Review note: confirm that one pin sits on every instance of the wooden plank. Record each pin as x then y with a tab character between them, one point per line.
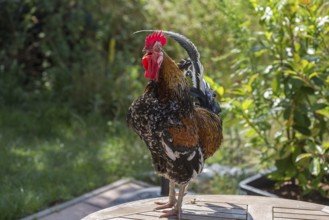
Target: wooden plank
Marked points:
217	204
287	219
152	213
325	209
214	214
222	202
123	210
149	215
299	211
257	200
259	212
124	218
212	208
301	216
142	217
198	217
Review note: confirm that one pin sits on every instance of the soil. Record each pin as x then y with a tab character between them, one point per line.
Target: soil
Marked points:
289	191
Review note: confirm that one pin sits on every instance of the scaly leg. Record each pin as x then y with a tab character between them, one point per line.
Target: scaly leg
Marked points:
177	210
172	198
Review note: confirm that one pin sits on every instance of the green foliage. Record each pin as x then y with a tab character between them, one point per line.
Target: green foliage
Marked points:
69	51
226	184
282	98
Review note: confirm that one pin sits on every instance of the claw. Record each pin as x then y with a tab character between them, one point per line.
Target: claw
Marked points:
164	205
169	213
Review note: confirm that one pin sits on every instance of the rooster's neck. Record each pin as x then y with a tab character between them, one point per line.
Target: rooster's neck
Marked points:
171	80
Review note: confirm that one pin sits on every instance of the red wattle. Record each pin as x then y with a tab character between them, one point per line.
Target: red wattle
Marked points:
145	64
150	66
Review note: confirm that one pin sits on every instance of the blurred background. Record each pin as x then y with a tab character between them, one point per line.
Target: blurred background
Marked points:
70	69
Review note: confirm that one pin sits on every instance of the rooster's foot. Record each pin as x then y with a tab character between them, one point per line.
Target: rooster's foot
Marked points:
164	205
169	213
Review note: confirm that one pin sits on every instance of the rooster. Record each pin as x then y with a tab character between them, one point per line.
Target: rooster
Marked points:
179	123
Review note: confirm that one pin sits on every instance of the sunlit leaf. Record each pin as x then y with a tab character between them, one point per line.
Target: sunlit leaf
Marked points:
268	35
111	49
290	72
326	145
315	167
296	58
260	53
275	85
324	112
313	75
220	90
303	156
252	79
246	104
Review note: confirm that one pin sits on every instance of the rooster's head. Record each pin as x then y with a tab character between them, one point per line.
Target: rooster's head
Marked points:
153	57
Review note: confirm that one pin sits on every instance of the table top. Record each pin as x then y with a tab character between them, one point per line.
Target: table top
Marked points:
208	207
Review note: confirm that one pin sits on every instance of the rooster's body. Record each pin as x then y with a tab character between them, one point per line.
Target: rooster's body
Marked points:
179	134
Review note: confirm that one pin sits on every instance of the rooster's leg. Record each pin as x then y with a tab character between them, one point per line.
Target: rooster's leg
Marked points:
177	210
172	198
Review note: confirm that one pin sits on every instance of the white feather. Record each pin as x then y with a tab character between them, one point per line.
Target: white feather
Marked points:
201	162
191	156
169	151
194	174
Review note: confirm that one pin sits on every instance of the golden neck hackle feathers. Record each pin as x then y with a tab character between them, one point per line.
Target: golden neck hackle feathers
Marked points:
171	79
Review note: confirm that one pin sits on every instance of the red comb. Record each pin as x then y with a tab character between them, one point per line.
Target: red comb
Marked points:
154	37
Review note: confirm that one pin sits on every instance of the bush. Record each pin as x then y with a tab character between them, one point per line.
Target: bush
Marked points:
75	52
282	98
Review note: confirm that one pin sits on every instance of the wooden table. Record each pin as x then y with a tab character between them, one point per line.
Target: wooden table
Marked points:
208	207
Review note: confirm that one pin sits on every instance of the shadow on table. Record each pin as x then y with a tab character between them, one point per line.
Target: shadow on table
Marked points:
216	211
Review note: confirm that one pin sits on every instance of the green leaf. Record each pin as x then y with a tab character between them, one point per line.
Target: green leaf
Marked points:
315	167
252	79
302	179
314	74
246	104
318	81
219	89
275	85
290	72
259	53
303	130
303	156
306	64
318	106
324	112
111	53
301	119
325	145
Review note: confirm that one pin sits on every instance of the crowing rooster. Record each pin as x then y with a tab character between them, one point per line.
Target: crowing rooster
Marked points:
180	125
